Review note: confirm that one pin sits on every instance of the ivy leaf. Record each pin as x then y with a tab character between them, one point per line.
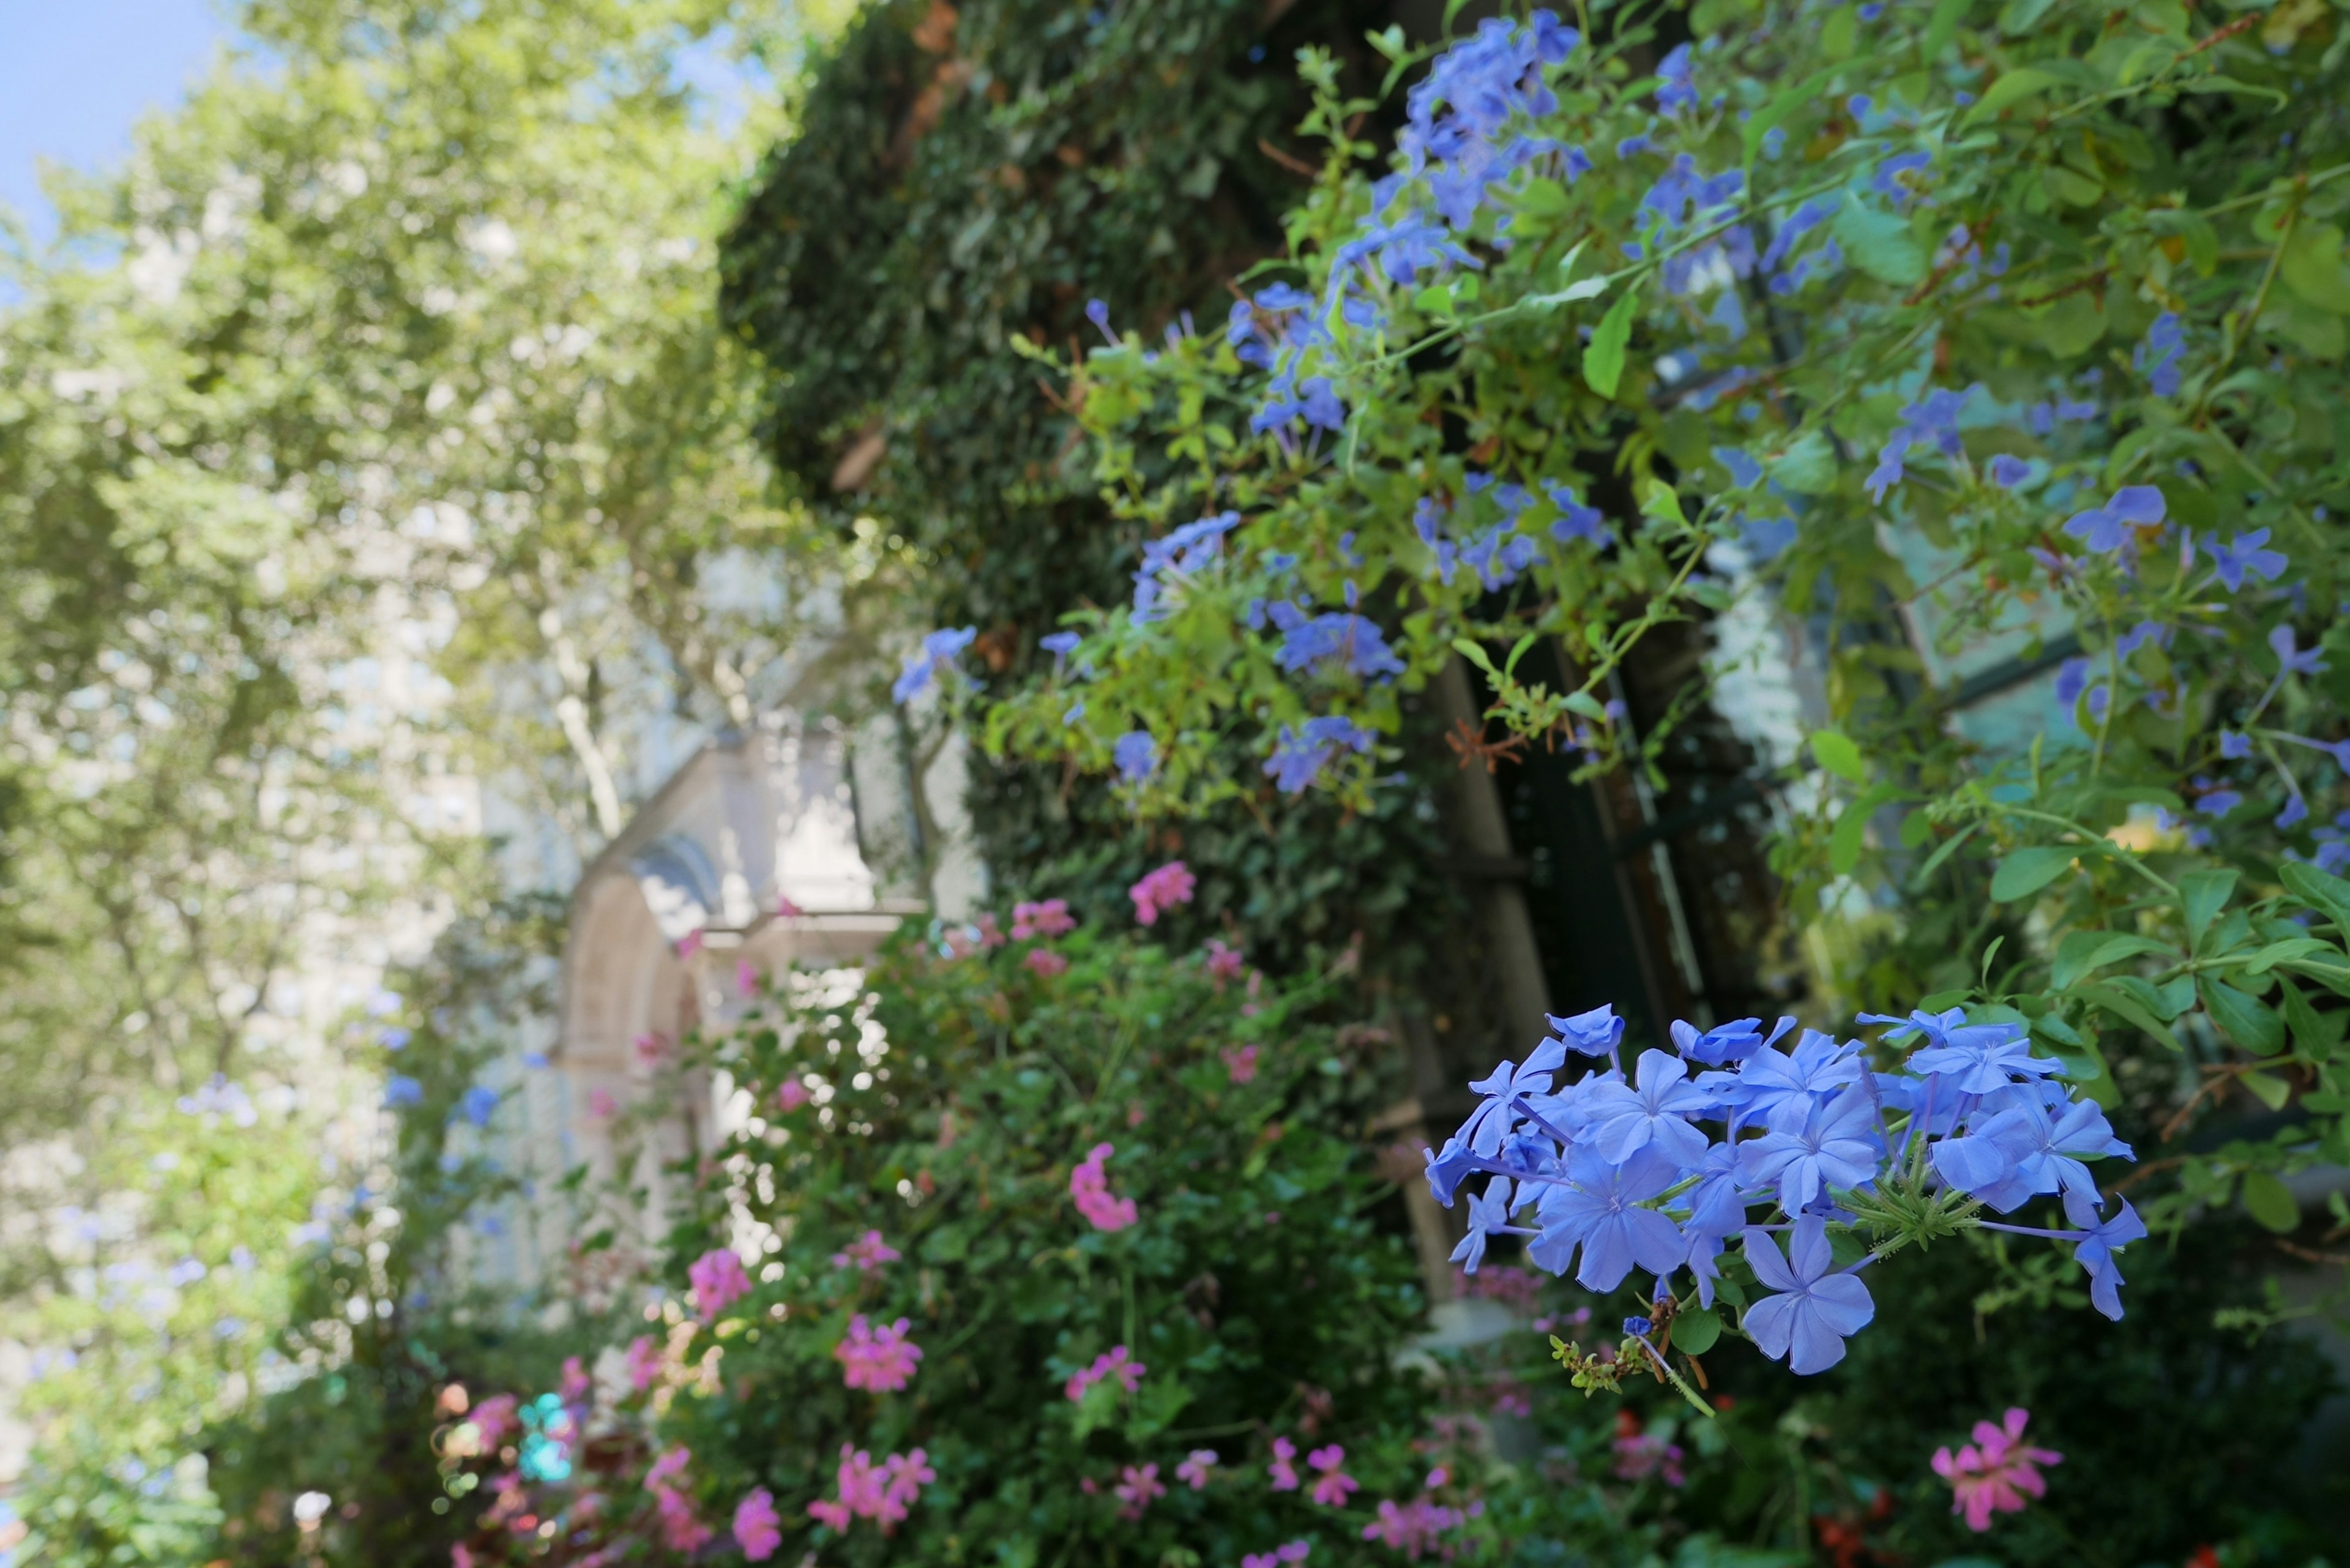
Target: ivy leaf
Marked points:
1603	361
2270	1202
2027	872
1839	756
1879	243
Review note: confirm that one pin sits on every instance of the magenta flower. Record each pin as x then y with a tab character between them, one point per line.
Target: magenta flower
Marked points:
1331	1484
791	1097
1048	919
881	1361
666	1469
1137	1486
1295	1551
602	1106
1284	1468
644	1362
747	977
577	1385
1223	963
1195	1467
1240	1062
1045	963
681	1529
1090	1187
881	1492
652	1049
1412	1529
494	1418
1112	1363
719	1281
1996	1472
757	1527
1163	890
868	1253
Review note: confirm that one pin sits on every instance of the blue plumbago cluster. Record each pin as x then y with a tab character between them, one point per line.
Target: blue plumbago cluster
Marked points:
1733	1136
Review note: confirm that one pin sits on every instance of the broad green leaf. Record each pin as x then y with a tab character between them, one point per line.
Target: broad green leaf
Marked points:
1941	28
2334	976
1603	359
1839	756
2200	240
2129	1009
1879	242
2268	1089
2275	953
1696	1332
2086	953
1435	300
2026	871
2327	894
2013	88
2250	1023
2071	187
1849	835
1475	655
2316	1036
1541	199
2313	267
2204	894
2085	1064
2270	1202
1662	501
1808	466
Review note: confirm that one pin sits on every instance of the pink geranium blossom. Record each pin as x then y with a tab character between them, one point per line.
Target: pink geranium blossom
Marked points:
1331	1485
1195	1469
1111	1363
1223	963
1160	890
1048	919
1295	1551
1996	1472
1240	1062
881	1492
644	1362
1090	1187
682	1529
719	1281
880	1361
1137	1486
757	1527
1413	1528
868	1253
666	1469
1284	1468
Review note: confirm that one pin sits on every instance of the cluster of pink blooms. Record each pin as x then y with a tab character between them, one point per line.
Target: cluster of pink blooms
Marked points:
1223	963
1293	1553
1161	890
575	1385
1045	963
1640	1454
644	1362
1049	918
1996	1472
881	1492
758	1528
1331	1484
1136	1485
1415	1528
1195	1469
719	1281
880	1362
1089	1185
868	1252
494	1418
652	1049
1112	1362
792	1096
682	1529
1240	1062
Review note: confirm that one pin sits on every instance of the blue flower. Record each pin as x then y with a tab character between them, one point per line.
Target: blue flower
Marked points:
2245	555
1497	1116
1731	1042
2095	1252
1972	1058
1577	521
2007	470
1887	181
1298	759
1932	420
939	649
394	1039
1097	312
1487	1215
400	1089
1633	145
1601	1213
2156	358
477	1105
1811	1148
534	1060
1626	1119
1332	637
2235	745
1060	644
1819	1308
1676	91
2306	661
1169	563
1136	755
1819	1066
1320	405
2104	528
1447	1168
1594	1034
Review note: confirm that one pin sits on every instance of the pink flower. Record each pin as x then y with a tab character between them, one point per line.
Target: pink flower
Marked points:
1112	1362
1413	1528
1240	1062
991	935
832	1513
757	1527
882	1363
644	1362
1640	1454
1223	963
1160	890
459	1557
1284	1470
689	944
666	1469
1332	1485
719	1281
652	1049
601	1106
1195	1469
792	1096
1090	1187
577	1385
868	1253
1996	1472
1049	918
786	909
1293	1552
1045	963
494	1418
882	1493
747	977
1136	1485
681	1531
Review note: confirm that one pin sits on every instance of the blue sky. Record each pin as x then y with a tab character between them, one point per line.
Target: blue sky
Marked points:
76	75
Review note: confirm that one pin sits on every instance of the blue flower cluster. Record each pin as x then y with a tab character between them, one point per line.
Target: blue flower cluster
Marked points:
1499	552
1169	563
1662	1169
1298	759
939	650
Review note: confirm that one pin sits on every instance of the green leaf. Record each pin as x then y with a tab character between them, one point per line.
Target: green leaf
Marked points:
2316	1036
1694	1333
2026	871
2250	1023
2275	953
1434	300
1476	656
1950	846
2270	1202
1603	361
1839	756
2220	81
2013	88
1941	28
2268	1089
1808	466
2086	953
2204	894
1847	838
1662	501
2327	894
2129	1009
1770	115
2312	268
1542	198
1879	242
